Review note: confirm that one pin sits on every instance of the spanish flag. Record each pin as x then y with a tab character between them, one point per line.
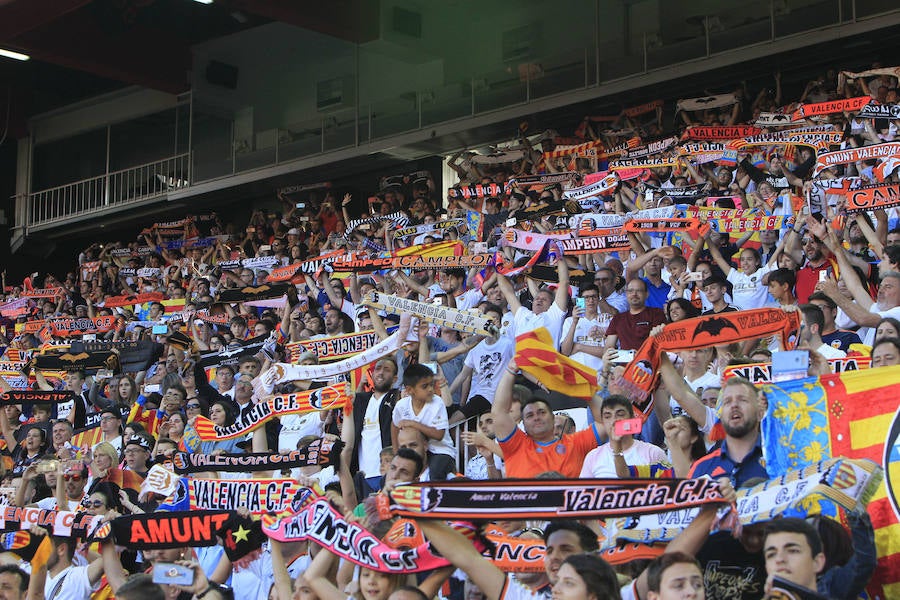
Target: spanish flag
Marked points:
536	356
852	414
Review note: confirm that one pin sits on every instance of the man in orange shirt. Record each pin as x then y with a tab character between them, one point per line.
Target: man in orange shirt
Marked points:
537	449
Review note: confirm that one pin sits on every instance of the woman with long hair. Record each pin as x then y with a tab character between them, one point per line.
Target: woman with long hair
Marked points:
30	450
888	327
678	309
127	390
586	577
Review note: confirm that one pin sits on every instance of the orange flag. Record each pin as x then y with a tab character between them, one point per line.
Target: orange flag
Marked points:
536	356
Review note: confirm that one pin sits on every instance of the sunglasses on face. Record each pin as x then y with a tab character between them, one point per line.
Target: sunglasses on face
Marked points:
94	504
72	477
192	406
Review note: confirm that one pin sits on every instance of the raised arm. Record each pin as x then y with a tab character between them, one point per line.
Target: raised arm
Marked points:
506	287
681	391
562	290
503	423
459	550
716	254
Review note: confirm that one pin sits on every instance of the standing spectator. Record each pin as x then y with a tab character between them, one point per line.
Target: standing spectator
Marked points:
628	330
536	449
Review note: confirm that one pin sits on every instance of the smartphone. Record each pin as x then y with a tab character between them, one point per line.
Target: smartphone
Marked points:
624	356
265	248
789	364
579	303
628	426
47	466
304	219
104	374
160	330
301	205
511	222
433	366
695	276
170	573
151	388
823	275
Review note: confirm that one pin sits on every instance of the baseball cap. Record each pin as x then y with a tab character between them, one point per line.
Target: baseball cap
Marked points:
139	440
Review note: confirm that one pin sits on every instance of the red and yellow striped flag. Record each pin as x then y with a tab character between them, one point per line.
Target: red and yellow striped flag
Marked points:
852	414
536	356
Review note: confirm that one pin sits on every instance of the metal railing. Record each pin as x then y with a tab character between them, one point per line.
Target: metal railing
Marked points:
104	192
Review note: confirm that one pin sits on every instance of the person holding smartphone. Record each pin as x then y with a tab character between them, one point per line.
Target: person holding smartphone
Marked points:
612	460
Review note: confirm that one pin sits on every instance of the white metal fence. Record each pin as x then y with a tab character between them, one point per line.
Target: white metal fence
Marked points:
101	193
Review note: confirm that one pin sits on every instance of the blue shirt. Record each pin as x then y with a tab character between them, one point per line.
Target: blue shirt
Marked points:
719	464
658	295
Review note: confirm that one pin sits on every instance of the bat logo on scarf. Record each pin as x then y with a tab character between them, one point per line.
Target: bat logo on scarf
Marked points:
714	327
255	290
705	100
432	499
315	399
74	357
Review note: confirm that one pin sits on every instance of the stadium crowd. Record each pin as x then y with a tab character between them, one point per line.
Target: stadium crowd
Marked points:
519	328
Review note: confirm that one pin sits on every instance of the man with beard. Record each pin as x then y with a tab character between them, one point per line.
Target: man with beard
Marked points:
734	568
816	261
369	430
738	458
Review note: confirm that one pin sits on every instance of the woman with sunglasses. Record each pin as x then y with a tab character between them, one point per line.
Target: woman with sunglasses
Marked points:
100	501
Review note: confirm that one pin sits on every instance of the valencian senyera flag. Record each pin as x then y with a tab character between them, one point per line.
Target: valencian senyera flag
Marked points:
536	356
855	415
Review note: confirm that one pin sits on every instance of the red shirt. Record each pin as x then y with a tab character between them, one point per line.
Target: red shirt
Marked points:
808	277
631	330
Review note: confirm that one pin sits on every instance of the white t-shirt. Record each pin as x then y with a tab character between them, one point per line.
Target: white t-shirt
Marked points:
747	290
469	299
552	319
600	463
829	352
370	441
295	427
708	379
433	414
75	586
582	330
487	361
513	590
